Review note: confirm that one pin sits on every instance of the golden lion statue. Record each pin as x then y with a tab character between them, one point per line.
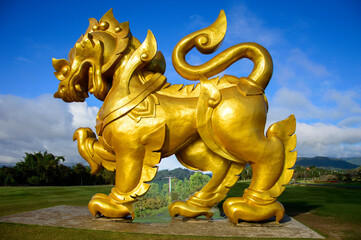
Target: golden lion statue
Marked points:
217	125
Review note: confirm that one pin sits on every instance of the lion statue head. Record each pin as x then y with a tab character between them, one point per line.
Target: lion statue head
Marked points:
94	55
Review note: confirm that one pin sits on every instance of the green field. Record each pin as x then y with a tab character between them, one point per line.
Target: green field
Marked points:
332	211
341	203
21	199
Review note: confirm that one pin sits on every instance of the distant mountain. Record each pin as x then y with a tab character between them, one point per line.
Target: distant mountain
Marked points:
356	161
181	173
325	162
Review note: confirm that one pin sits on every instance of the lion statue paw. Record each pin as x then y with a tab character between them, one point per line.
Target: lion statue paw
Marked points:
103	205
237	209
188	210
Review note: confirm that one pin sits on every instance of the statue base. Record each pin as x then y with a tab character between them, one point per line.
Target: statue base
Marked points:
106	219
80	218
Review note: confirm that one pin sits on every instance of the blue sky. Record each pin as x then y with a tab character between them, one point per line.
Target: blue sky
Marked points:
315	47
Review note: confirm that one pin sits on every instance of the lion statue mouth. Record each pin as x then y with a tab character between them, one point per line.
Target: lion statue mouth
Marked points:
74	88
81	74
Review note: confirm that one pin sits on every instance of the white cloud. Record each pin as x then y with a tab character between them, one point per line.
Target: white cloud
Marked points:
321	139
244	26
349	101
286	102
339	107
169	163
7	159
39	124
296	69
336	128
298	58
354	121
83	115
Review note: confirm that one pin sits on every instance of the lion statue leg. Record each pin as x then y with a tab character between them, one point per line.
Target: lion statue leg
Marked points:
271	171
257	204
97	156
197	156
136	161
119	202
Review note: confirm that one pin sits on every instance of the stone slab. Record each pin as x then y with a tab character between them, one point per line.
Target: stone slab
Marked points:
79	217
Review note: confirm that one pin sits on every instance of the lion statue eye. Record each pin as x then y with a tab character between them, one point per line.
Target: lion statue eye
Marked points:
65	70
62	89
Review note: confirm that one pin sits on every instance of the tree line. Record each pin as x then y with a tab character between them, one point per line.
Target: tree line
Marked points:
318	174
46	169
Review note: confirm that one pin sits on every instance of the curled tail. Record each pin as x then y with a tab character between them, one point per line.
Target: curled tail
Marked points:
285	131
207	41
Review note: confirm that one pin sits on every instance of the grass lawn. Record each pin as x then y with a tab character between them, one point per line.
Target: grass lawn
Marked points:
21	199
341	203
333	212
33	232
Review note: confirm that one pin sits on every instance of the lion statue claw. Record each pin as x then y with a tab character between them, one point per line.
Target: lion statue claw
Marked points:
216	125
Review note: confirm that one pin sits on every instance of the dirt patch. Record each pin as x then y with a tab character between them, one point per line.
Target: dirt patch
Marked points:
330	227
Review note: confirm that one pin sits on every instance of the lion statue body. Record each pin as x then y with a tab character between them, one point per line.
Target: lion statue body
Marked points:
216	125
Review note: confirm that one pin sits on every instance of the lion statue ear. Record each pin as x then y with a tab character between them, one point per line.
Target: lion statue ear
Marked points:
157	64
115	37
